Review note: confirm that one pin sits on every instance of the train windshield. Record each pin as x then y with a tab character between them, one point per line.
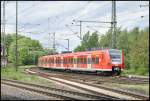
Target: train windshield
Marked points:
116	56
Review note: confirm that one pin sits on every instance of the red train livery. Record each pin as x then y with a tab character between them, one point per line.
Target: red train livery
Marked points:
107	60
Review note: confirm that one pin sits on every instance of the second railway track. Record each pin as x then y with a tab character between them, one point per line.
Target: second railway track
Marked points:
97	79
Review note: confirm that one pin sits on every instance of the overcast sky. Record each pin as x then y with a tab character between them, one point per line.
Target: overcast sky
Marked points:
37	19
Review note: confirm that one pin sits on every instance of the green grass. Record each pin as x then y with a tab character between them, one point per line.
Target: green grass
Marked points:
10	73
140	87
135	72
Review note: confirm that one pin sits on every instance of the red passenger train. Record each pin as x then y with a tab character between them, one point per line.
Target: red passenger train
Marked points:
107	60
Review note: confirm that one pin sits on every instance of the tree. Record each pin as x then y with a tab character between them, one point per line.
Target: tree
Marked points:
105	40
88	42
28	51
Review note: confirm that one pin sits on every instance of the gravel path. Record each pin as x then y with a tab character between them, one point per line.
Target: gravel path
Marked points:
13	93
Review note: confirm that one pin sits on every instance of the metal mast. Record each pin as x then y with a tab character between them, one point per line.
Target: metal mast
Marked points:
16	65
54	41
3	38
113	24
68	44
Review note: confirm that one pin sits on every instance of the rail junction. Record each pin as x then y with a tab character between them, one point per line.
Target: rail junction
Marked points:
89	87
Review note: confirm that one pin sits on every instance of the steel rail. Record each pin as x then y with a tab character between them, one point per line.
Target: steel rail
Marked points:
110	89
93	77
91	96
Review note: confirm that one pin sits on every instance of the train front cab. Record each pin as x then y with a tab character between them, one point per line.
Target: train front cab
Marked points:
117	61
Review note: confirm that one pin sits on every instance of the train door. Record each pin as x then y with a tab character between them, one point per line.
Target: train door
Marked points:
61	62
81	63
85	61
48	61
78	60
75	61
71	61
95	61
54	61
92	62
89	65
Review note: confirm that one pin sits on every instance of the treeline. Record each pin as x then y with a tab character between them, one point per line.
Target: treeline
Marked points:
135	44
28	49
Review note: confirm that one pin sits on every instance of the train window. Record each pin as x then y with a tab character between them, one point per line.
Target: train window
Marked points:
74	61
81	60
64	61
45	60
71	60
89	60
77	60
97	60
93	60
84	60
59	61
68	60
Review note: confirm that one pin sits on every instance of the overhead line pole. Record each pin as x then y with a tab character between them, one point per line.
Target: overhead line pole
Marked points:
3	34
113	24
80	29
68	44
54	41
16	65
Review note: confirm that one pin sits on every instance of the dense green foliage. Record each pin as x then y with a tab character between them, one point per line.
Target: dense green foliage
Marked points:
135	44
28	49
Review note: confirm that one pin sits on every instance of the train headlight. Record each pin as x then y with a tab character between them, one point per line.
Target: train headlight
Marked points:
116	69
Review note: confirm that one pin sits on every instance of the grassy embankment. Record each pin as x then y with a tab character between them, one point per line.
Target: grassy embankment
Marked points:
135	72
143	88
10	73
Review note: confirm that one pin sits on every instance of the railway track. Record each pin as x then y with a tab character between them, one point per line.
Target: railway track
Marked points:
54	92
98	79
127	94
